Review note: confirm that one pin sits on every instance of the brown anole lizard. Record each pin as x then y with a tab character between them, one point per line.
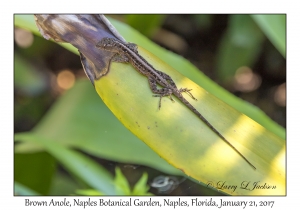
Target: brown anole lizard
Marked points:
127	53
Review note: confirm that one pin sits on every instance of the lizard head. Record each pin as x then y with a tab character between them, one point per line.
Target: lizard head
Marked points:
107	43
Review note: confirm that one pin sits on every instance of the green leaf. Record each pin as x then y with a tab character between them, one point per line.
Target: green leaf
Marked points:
123	188
240	46
181	65
186	142
26	22
20	189
87	124
274	27
34	171
121	183
141	188
138	22
27	79
89	192
63	184
190	71
81	166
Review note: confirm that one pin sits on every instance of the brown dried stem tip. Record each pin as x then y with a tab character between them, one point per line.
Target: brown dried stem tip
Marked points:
83	32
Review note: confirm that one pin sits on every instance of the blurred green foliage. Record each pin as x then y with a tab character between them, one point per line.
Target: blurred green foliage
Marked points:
123	188
240	46
35	170
27	78
274	27
243	41
20	189
146	24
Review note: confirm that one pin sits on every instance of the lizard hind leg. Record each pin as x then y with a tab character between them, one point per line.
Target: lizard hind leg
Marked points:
159	92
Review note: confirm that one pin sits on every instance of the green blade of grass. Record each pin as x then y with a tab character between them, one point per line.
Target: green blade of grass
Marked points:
274	27
84	168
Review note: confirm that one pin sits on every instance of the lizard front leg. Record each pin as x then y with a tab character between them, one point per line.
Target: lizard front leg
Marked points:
160	92
120	58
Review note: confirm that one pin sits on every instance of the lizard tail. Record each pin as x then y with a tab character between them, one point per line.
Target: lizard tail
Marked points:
180	97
